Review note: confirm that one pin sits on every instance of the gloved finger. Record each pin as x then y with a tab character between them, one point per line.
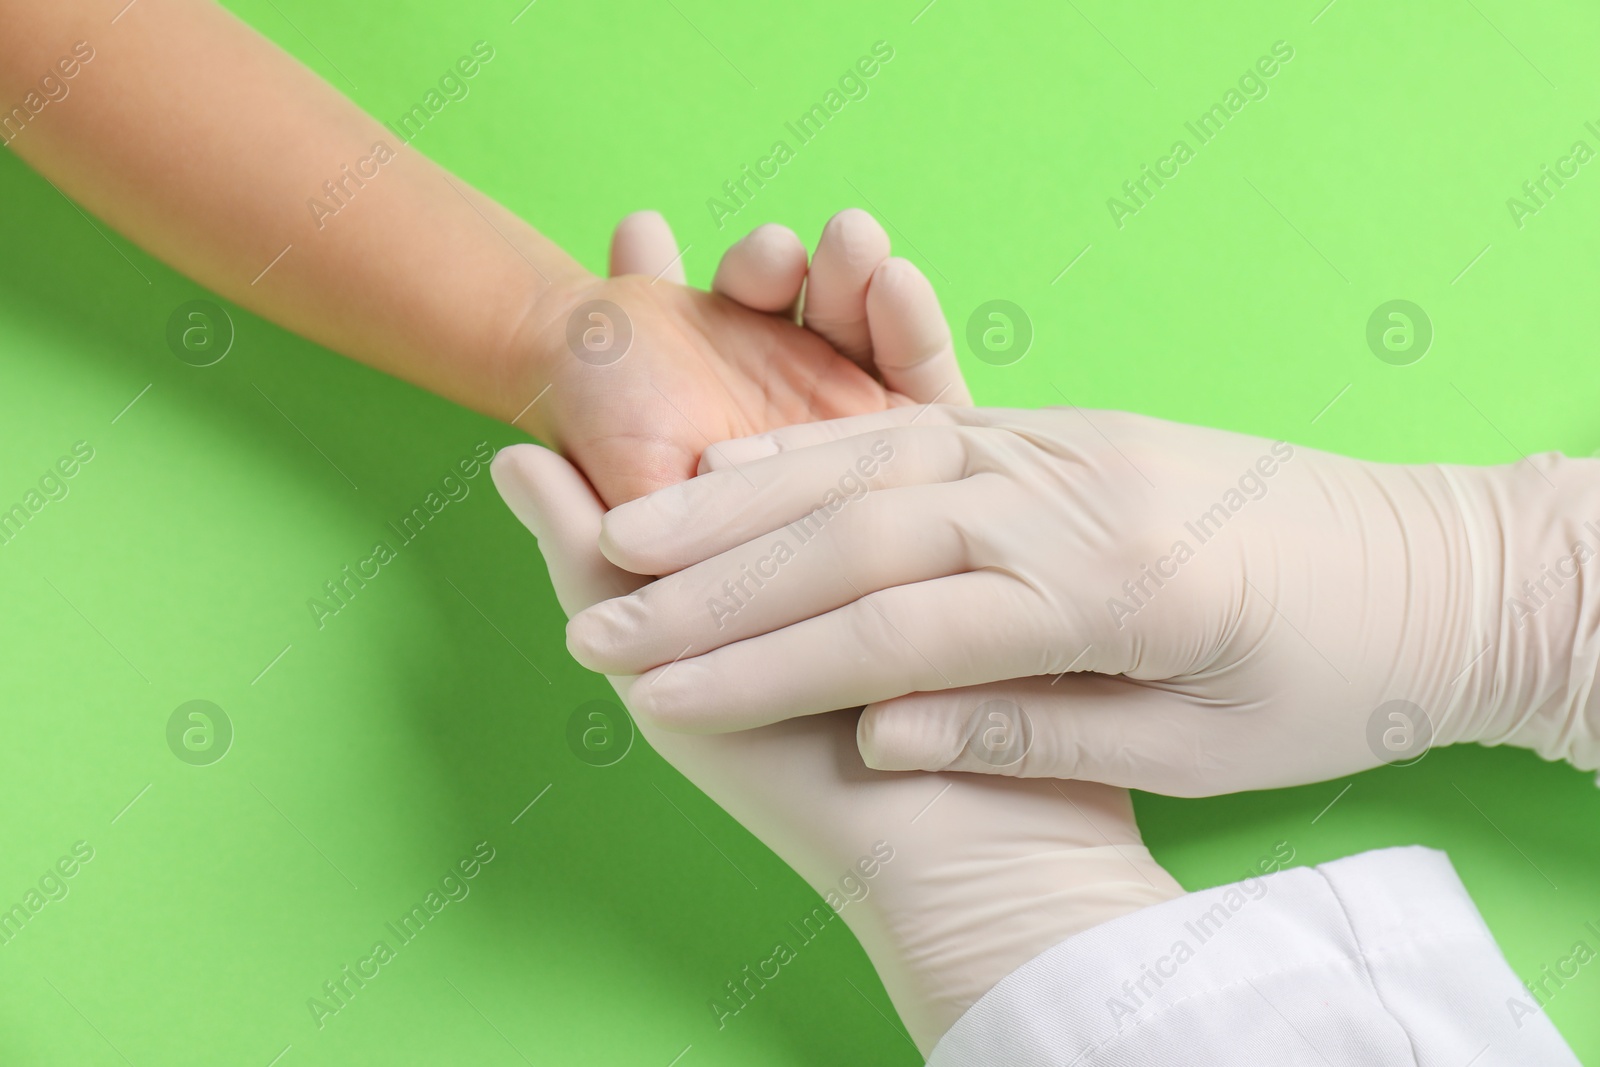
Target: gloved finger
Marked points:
764	270
1101	728
820	563
559	507
743	450
901	640
643	244
850	249
695	520
911	344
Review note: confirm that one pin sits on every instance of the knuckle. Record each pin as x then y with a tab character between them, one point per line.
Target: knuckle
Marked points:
648	709
681	698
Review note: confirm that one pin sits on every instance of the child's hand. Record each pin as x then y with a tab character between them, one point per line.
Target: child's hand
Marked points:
702	368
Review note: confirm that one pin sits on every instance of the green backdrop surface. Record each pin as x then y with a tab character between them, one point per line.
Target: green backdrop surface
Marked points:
413	730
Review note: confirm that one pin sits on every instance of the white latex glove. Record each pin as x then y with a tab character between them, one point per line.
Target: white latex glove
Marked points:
983	874
1183	610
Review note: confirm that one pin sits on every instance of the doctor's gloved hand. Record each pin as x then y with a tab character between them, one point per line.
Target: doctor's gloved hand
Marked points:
1112	597
969	877
972	876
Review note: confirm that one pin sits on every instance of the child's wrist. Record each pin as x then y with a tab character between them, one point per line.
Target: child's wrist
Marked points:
535	357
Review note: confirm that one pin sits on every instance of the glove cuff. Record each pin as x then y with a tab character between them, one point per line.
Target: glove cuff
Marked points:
1534	529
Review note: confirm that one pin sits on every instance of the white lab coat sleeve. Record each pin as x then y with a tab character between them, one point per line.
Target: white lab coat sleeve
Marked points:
1377	959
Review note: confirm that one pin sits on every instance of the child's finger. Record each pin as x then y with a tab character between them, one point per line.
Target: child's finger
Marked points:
764	270
643	244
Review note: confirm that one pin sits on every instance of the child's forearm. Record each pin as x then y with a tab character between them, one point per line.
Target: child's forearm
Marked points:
205	144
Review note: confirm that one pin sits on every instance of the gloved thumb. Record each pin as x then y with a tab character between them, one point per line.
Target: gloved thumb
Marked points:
911	345
560	508
1087	726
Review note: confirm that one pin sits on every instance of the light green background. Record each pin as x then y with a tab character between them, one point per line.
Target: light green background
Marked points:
378	751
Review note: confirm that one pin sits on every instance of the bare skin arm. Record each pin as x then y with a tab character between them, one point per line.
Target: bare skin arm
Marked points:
202	142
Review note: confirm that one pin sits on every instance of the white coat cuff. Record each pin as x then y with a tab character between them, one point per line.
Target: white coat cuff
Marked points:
1380	958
